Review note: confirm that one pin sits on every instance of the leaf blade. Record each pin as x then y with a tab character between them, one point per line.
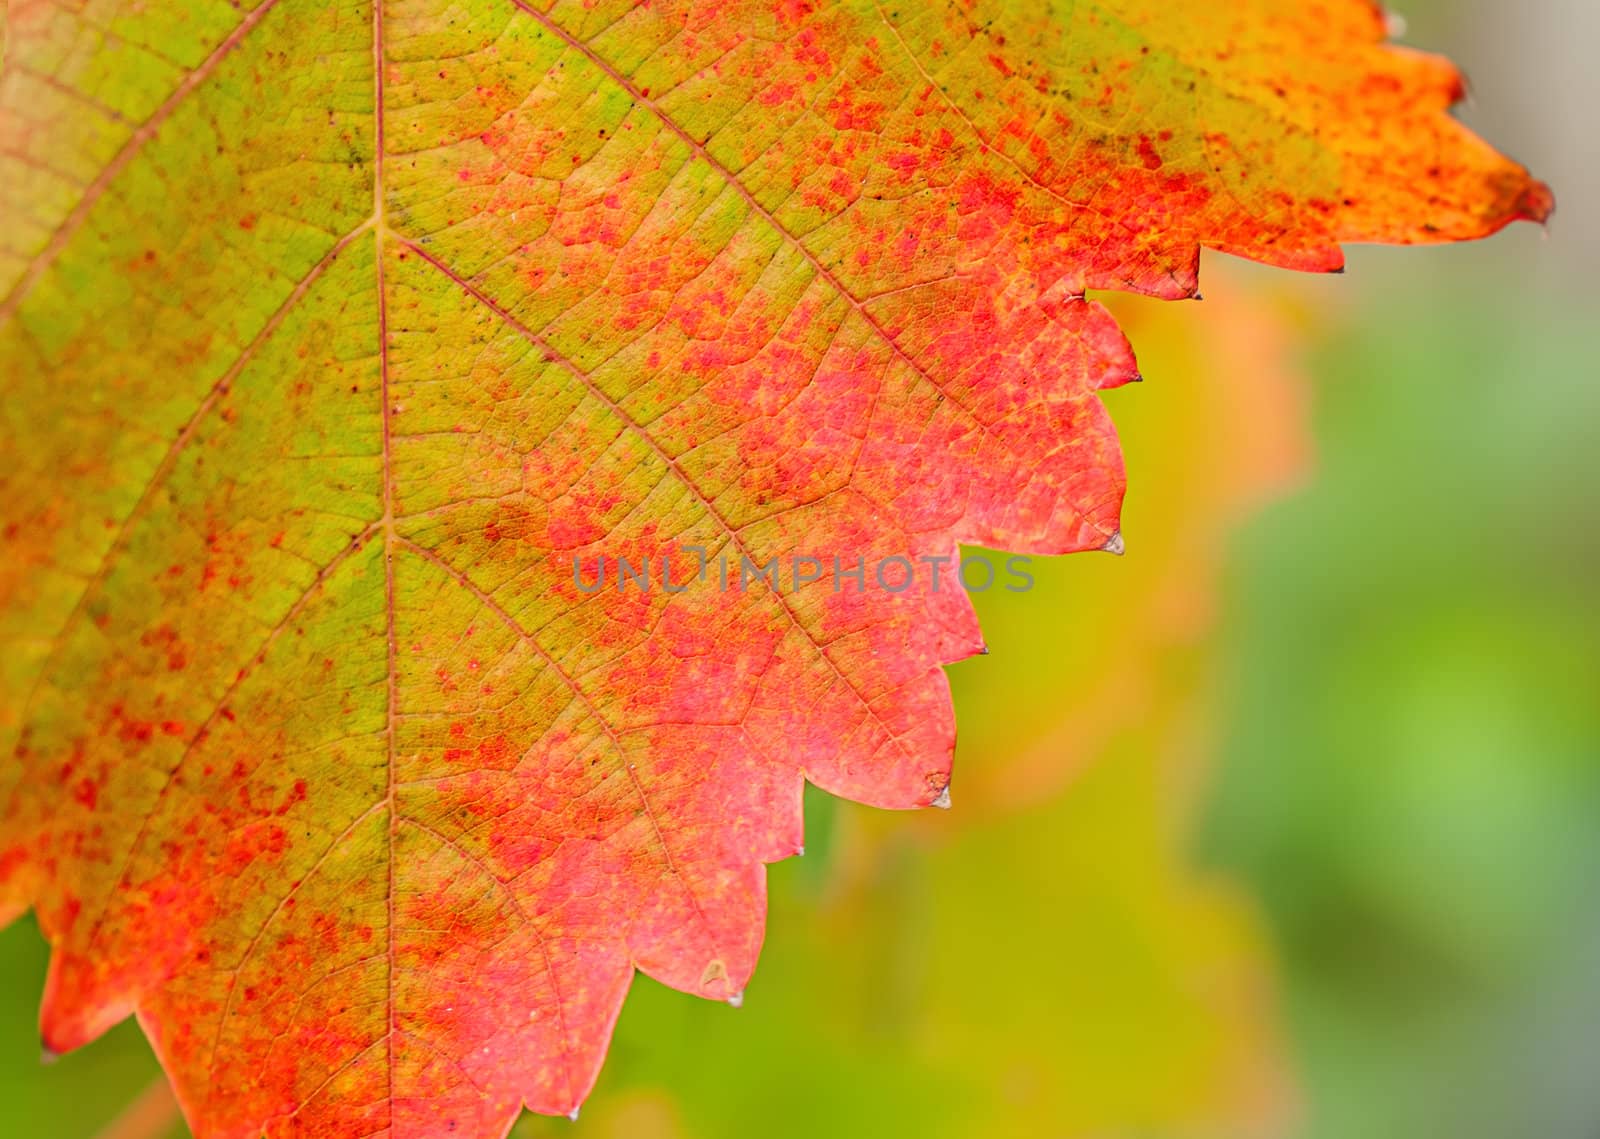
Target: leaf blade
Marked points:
769	283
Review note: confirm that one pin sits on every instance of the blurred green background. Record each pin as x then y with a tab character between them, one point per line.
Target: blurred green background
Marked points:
1287	823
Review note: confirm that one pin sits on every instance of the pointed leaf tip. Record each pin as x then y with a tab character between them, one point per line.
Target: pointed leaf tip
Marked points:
737	1000
1115	544
1537	204
942	799
573	1115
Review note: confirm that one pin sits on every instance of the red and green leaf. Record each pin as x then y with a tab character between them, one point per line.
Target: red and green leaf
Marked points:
332	335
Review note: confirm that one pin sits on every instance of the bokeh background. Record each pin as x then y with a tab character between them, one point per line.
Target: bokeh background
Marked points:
1285	824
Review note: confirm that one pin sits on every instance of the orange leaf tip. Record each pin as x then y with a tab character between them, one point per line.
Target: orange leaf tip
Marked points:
1537	203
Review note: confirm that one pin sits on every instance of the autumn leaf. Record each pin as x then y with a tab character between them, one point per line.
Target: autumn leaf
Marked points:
344	348
1156	1010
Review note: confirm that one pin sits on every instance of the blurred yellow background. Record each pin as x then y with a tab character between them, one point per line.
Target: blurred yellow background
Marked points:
1285	824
